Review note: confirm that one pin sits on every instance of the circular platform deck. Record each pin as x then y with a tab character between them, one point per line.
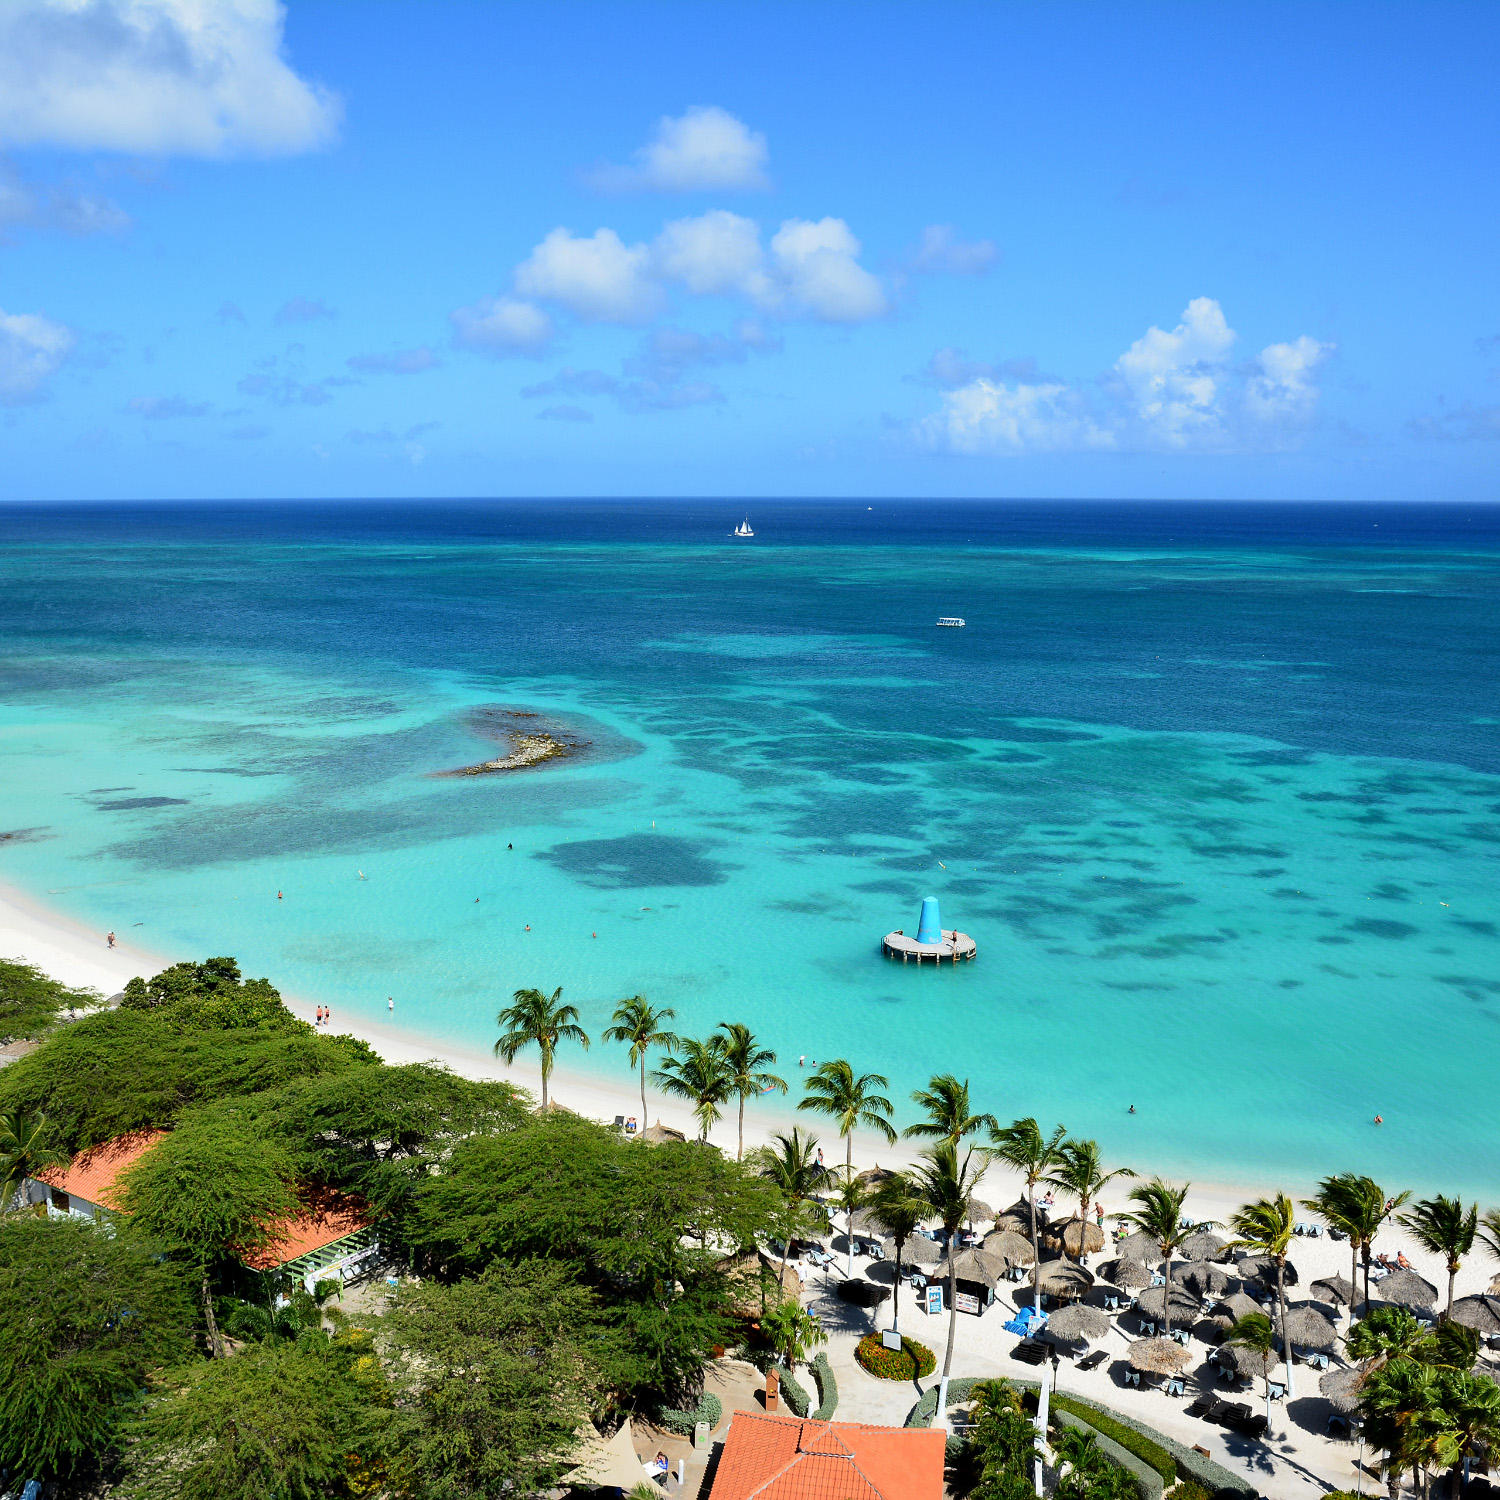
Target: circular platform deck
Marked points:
955	945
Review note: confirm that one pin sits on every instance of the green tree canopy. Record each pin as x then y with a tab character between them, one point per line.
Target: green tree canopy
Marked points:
30	1001
493	1378
84	1314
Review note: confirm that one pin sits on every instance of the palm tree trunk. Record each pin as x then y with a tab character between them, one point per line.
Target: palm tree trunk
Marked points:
645	1118
1353	1276
942	1411
1452	1272
1083	1221
849	1154
849	1241
896	1292
739	1154
1286	1343
215	1337
1166	1302
1036	1251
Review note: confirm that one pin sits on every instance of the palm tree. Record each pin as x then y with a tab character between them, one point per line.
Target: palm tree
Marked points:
949	1118
898	1207
850	1196
642	1028
535	1017
1265	1227
1021	1146
1471	1406
1254	1332
1159	1212
834	1090
1489	1231
793	1330
744	1055
700	1074
1396	1403
24	1152
1445	1227
947	1181
1080	1171
1355	1206
793	1168
1383	1334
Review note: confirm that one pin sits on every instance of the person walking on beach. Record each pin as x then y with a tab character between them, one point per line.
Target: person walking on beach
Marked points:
110	940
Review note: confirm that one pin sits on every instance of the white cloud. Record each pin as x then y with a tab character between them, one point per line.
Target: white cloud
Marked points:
600	278
818	265
501	326
162	77
1171	390
55	206
717	253
942	252
706	148
164	408
403	362
32	349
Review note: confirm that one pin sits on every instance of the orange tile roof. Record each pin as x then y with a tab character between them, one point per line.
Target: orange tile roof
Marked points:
92	1174
788	1458
327	1216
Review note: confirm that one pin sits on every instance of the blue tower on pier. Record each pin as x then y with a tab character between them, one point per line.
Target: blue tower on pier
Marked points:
930	928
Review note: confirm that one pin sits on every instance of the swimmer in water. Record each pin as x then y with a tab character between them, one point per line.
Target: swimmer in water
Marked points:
390	1002
278	895
1378	1120
1132	1109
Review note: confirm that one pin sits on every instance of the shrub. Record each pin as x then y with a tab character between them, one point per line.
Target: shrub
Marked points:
1131	1441
796	1396
959	1390
828	1389
1191	1489
709	1409
910	1362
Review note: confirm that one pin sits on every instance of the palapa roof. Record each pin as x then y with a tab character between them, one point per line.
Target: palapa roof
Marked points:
917	1251
1079	1321
1005	1244
1406	1289
1236	1306
1341	1388
1205	1278
1246	1361
1262	1268
1338	1290
768	1457
1158	1356
1482	1313
1062	1278
1074	1237
1153	1300
1203	1246
1140	1246
654	1135
979	1211
1127	1273
872	1177
972	1265
1305	1325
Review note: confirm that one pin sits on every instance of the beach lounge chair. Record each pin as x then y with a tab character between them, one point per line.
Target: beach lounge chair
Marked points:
1181	1335
1337	1425
1278	1391
1252	1427
1029	1352
1094	1360
1133	1377
1112	1301
1174	1386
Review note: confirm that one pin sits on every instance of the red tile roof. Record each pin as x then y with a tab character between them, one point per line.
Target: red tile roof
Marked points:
92	1174
327	1216
787	1458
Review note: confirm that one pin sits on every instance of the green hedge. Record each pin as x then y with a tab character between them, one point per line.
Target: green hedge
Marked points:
1148	1481
1138	1443
1214	1477
925	1410
709	1409
910	1362
828	1389
796	1395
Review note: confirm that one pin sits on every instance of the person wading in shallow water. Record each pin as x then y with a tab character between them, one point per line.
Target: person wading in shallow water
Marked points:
110	940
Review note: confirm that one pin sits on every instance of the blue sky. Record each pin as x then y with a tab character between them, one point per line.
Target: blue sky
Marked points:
338	249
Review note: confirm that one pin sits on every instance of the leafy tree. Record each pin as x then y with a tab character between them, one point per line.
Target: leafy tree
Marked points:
1023	1148
702	1075
1386	1333
24	1152
564	1189
493	1378
1470	1425
277	1422
84	1314
1265	1227
850	1196
1086	1474
1398	1408
1257	1333
1002	1444
1451	1346
30	1001
1355	1206
790	1163
1489	1231
1080	1171
1445	1227
947	1181
535	1019
641	1028
212	1190
792	1330
743	1057
853	1102
210	996
289	1312
899	1207
950	1116
1159	1212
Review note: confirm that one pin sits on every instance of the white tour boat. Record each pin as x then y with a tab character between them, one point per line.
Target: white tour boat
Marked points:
956	621
743	529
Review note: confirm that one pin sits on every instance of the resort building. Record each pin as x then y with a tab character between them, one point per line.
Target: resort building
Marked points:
329	1240
791	1458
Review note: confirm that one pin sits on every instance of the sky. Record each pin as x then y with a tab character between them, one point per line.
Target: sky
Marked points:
339	249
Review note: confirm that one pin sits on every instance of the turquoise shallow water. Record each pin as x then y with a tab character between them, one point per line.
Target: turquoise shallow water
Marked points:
1217	791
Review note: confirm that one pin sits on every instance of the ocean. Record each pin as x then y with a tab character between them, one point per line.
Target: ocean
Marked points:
1215	787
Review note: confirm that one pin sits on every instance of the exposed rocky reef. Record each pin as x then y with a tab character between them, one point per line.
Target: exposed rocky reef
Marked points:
531	740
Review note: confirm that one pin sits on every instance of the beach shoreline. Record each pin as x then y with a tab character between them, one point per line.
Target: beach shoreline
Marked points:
76	955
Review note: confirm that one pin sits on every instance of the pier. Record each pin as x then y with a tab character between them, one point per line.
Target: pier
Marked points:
933	941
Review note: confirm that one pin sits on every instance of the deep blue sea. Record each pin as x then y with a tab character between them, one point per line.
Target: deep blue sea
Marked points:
1215	787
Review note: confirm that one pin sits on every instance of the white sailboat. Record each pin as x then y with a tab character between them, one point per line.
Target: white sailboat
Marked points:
743	529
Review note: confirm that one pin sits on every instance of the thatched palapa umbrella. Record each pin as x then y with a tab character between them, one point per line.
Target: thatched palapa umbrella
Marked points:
917	1251
1205	1278
1482	1314
1306	1326
1063	1279
655	1134
979	1212
1236	1306
874	1177
971	1265
1246	1361
1005	1244
1202	1246
1339	1291
1341	1388
1153	1302
1407	1289
1078	1323
1126	1273
1262	1268
1140	1246
1158	1356
1075	1237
